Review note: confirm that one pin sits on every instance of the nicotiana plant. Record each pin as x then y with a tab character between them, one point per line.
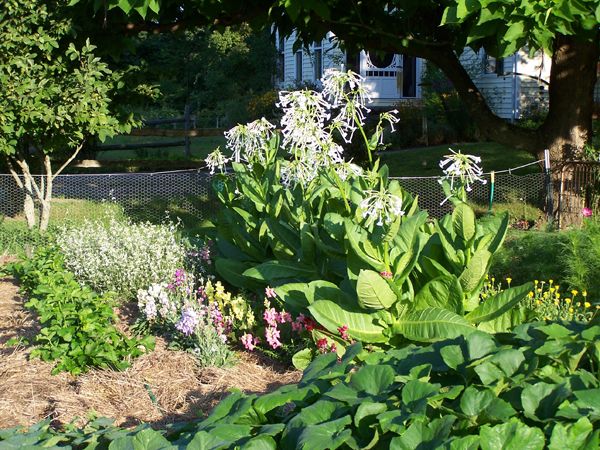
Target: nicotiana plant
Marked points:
349	247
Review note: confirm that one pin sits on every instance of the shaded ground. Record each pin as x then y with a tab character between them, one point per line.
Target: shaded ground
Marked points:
161	387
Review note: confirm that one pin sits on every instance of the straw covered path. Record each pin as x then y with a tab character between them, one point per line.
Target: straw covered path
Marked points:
161	387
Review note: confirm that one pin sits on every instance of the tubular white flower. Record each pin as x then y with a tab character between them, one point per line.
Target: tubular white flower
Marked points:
216	160
297	172
381	206
347	169
463	167
246	142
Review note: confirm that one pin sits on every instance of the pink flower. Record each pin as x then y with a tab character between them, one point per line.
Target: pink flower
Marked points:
272	335
386	274
271	316
270	292
284	317
343	330
587	212
333	348
298	324
309	324
322	345
249	341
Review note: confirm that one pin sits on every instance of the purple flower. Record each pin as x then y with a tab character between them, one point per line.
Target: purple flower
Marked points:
271	317
188	322
587	212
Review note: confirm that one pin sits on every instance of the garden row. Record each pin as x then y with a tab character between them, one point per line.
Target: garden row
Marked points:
405	338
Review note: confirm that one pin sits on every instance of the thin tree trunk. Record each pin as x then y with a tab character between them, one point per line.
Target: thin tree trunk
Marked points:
26	186
45	202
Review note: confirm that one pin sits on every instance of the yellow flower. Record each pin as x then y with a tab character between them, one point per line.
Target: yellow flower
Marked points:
574	292
539	291
493	279
487	277
584	293
551	281
568	301
535	281
557	287
508	280
538	302
556	302
530	294
587	304
557	295
571	310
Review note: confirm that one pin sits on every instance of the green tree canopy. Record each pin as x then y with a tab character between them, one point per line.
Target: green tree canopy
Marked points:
54	96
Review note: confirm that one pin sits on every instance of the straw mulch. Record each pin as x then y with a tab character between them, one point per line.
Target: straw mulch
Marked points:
161	387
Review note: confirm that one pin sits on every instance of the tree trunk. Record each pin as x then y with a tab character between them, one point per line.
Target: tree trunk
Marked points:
28	203
568	126
45	202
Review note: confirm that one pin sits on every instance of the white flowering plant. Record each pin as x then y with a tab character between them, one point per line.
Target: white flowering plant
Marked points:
344	245
120	256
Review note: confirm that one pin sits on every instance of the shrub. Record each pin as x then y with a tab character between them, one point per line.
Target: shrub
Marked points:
537	387
77	324
582	257
121	256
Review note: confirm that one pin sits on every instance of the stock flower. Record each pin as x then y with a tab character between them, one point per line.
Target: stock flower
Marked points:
216	160
270	292
271	317
586	212
188	322
272	335
246	142
249	341
322	345
284	317
381	206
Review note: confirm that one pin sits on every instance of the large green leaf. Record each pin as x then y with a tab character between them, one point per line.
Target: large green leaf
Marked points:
373	291
442	292
373	380
296	296
271	271
431	324
463	223
472	277
499	304
513	435
232	271
361	325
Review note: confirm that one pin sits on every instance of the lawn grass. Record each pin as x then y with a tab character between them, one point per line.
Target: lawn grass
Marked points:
424	161
200	148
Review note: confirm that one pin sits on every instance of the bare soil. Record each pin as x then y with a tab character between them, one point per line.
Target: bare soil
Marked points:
161	387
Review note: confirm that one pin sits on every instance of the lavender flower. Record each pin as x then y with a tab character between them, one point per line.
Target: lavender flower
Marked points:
188	322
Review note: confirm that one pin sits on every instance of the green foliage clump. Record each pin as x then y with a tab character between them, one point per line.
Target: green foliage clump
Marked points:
77	324
538	385
581	260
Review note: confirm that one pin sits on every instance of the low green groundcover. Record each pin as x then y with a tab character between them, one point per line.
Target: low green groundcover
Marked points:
534	388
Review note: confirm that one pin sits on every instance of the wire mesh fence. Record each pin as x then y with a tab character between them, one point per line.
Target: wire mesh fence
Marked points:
187	195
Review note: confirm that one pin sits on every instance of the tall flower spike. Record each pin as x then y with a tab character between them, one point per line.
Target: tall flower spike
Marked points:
216	160
461	167
247	142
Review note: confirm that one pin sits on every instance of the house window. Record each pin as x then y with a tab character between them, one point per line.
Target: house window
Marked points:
318	59
299	65
492	65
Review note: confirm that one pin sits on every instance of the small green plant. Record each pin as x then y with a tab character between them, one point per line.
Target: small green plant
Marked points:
582	256
536	387
77	324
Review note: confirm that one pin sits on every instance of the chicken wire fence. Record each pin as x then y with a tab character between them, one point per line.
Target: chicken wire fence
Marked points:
188	196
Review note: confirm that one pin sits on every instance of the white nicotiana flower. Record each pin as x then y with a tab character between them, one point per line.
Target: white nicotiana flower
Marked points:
463	167
348	92
381	206
303	123
297	172
347	169
246	142
216	160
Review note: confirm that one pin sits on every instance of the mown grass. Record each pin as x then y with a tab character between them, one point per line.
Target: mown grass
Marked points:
424	161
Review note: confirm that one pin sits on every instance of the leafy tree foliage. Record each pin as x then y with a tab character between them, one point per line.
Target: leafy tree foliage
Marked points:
434	30
54	96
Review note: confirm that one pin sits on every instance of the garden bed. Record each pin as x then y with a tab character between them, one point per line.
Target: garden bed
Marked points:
161	387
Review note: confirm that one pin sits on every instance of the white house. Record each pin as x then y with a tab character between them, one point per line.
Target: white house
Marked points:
391	78
514	86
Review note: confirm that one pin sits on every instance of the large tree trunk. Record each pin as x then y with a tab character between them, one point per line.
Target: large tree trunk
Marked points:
568	126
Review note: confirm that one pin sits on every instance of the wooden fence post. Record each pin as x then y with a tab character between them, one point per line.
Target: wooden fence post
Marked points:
186	114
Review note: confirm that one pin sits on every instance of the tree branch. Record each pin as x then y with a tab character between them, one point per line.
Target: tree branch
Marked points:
67	162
